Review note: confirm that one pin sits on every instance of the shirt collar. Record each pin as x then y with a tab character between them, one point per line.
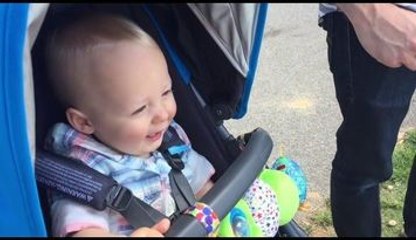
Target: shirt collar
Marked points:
65	140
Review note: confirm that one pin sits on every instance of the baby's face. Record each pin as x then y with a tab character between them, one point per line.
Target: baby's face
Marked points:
134	104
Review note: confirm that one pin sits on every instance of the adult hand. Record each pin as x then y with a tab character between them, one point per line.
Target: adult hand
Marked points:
156	231
387	32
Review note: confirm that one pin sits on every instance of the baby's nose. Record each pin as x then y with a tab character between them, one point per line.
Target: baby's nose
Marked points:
161	114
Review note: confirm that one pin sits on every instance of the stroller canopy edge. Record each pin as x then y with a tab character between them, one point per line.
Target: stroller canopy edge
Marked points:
18	181
237	28
36	15
254	57
229	26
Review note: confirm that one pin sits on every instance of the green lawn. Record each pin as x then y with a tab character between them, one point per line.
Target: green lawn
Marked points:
392	191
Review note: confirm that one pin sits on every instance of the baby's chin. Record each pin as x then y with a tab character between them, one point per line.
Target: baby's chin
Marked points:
141	155
145	149
147	153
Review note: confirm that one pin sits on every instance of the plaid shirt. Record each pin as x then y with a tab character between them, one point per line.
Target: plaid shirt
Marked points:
147	178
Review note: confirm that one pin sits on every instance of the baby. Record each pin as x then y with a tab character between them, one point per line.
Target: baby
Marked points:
113	81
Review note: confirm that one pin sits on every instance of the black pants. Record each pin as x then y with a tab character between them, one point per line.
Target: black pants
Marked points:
374	99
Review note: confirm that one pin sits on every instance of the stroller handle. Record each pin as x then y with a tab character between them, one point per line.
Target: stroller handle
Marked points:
230	187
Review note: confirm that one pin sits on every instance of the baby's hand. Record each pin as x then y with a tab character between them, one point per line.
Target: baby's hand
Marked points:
156	231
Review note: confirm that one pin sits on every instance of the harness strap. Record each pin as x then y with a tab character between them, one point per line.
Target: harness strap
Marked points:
137	212
88	186
172	148
181	190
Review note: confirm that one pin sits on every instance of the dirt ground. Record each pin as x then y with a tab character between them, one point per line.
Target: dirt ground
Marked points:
304	217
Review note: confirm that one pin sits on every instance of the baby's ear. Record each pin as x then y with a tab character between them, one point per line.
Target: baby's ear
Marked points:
79	121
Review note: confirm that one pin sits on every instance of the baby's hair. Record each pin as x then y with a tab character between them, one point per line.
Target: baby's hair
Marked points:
69	46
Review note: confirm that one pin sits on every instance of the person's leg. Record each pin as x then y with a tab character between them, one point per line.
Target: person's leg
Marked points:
409	210
374	100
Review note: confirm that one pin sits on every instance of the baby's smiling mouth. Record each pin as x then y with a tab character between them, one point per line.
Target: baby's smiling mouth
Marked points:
155	136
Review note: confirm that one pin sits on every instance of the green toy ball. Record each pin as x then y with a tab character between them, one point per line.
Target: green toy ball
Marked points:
291	168
239	223
286	191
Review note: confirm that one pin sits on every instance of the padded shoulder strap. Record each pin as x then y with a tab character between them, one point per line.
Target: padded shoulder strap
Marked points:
88	186
172	148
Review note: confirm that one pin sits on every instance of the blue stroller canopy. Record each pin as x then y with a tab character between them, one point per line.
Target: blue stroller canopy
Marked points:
237	29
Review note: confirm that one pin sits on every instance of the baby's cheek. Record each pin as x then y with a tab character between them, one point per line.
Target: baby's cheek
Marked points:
133	136
129	142
173	110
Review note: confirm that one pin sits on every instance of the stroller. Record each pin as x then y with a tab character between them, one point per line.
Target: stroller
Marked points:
212	52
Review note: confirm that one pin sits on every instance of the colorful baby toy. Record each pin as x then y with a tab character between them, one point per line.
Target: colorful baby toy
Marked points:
291	168
272	200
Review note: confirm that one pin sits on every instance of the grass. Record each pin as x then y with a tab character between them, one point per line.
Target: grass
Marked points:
392	191
323	218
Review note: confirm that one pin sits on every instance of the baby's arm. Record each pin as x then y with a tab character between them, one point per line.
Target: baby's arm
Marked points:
207	186
156	231
93	232
73	219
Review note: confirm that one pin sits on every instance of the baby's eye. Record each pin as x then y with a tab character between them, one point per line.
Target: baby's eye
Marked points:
139	110
167	92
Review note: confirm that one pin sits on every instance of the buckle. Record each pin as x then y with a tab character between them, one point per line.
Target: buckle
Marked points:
176	163
119	198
